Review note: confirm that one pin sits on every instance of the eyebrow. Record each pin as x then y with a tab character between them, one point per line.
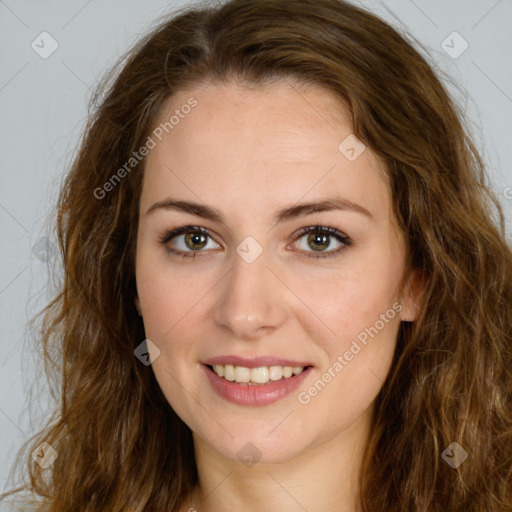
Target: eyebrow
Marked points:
284	214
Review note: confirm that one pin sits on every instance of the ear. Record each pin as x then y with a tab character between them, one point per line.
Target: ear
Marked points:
137	305
413	295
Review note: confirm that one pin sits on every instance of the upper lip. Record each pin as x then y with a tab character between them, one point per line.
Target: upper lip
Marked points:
254	362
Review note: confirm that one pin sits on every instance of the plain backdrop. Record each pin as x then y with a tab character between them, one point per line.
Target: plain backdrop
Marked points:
43	102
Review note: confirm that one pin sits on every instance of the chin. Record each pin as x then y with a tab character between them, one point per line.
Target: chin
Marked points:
258	443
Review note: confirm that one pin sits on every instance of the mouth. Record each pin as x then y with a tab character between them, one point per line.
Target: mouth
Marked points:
255	384
257	376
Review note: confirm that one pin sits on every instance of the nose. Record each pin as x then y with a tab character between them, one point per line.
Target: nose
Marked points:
252	302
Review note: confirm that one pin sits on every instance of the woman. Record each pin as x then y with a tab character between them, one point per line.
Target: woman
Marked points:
284	285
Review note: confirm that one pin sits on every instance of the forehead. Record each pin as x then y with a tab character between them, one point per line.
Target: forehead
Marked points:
276	143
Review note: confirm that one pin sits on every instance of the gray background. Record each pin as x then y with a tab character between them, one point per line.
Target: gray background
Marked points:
43	104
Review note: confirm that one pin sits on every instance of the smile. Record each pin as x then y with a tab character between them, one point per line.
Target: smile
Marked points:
258	376
256	385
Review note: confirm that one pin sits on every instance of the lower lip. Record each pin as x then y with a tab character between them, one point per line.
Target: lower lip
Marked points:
259	394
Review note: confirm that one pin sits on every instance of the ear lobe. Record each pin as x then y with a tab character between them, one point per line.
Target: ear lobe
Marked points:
137	305
413	294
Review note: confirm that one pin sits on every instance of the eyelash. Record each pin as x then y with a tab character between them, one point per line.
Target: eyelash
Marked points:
326	230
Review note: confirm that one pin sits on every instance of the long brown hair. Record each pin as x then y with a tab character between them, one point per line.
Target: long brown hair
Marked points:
120	445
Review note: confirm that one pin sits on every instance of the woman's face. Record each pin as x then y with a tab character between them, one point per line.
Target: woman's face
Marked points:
253	290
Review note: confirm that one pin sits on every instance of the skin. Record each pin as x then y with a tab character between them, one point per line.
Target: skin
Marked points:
249	152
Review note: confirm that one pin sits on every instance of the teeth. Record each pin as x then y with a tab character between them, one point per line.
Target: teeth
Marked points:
229	372
260	375
276	372
242	374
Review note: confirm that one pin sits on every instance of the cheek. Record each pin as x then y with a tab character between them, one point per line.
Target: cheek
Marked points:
169	302
358	355
169	294
359	305
351	298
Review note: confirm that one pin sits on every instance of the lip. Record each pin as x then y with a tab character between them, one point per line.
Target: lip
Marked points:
254	362
257	395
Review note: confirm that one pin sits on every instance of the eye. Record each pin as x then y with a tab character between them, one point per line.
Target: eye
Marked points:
320	238
188	241
193	239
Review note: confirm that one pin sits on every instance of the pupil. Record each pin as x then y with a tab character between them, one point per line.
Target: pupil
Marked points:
196	239
317	239
320	239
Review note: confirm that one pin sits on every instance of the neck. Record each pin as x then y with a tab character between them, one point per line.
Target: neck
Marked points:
321	477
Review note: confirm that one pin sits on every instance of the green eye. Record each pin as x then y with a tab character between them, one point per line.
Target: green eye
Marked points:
195	238
321	237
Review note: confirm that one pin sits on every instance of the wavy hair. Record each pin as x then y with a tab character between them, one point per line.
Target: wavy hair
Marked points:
120	444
